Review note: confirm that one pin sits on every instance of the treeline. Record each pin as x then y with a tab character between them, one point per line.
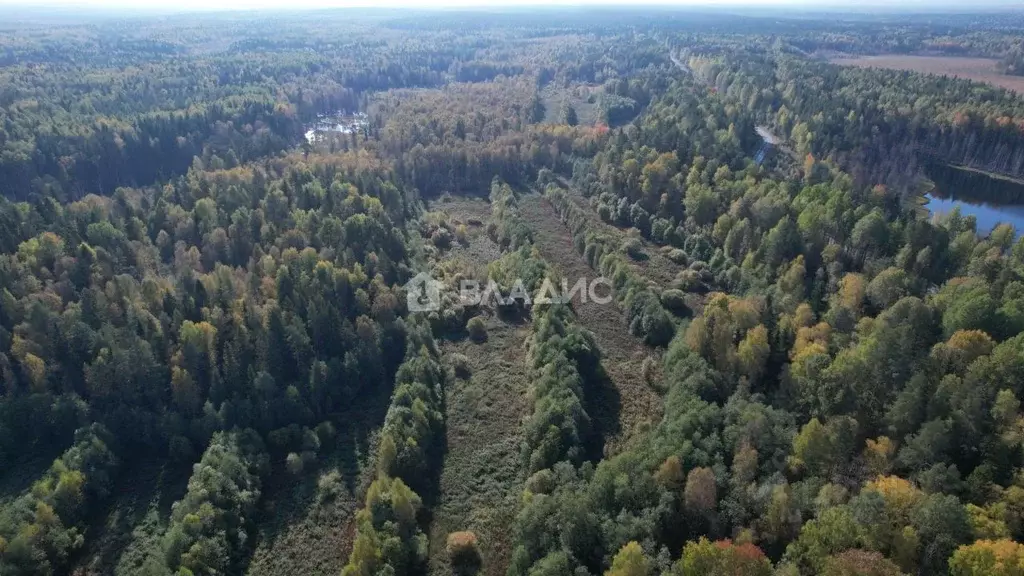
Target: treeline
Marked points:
69	161
389	538
509	229
562	355
139	103
211	526
873	121
42	529
474	133
1013	62
644	313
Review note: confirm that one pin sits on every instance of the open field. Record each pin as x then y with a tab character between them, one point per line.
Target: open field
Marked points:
978	69
579	96
481	478
481	481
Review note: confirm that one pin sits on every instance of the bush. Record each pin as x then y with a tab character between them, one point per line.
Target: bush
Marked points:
689	281
477	329
441	238
330	486
675	301
463	553
648	370
678	256
634	249
460	365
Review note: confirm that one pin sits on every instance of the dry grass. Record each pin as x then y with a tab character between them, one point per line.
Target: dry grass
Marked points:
482	476
578	95
977	69
481	479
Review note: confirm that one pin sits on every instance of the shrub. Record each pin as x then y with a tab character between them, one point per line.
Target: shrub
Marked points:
689	281
477	329
634	249
460	365
441	238
678	256
293	463
674	300
330	486
647	369
463	553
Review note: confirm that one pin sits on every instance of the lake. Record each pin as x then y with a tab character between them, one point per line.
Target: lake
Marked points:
991	199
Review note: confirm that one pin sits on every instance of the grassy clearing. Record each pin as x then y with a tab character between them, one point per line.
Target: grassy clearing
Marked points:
307	523
582	97
482	474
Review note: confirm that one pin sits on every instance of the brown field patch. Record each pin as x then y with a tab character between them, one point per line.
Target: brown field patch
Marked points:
977	69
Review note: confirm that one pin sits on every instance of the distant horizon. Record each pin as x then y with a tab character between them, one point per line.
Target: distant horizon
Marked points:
213	6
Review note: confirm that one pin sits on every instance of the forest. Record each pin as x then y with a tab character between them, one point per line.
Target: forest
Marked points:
210	361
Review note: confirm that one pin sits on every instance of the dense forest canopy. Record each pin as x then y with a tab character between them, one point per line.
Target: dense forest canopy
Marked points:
193	285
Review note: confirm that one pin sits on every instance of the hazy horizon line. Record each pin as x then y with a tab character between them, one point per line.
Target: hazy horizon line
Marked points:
831	7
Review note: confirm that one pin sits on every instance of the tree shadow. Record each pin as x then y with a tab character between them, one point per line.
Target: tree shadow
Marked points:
351	451
603	403
138	486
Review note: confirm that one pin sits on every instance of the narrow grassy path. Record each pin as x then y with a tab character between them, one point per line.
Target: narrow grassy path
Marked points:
638	404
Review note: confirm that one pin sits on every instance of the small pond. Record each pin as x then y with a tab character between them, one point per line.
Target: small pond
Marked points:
989	198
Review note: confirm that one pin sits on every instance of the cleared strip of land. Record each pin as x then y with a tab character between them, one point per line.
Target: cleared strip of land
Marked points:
481	480
623	354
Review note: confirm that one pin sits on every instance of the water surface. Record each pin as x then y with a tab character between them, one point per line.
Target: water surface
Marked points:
992	200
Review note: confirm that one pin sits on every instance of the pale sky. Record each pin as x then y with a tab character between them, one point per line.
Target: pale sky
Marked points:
191	5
